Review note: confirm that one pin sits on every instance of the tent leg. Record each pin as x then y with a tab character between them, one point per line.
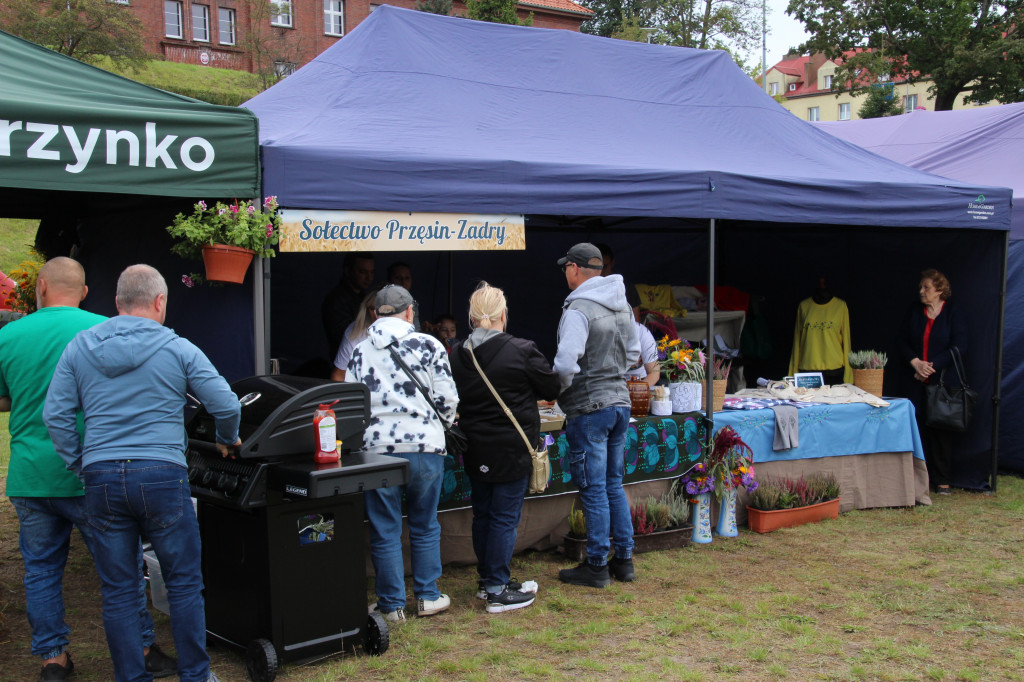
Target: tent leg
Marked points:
261	315
997	390
709	383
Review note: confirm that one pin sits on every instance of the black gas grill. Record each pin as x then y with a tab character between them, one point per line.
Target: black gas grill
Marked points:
283	537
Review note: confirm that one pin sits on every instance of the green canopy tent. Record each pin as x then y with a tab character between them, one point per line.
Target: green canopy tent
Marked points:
105	163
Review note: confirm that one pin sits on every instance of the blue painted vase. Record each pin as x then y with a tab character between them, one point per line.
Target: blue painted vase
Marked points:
702	519
726	526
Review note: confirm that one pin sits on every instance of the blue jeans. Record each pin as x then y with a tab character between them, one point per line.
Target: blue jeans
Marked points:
384	510
125	499
497	508
44	538
596	446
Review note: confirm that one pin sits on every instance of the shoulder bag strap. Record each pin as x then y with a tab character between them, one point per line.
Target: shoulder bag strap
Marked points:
505	408
401	363
958	365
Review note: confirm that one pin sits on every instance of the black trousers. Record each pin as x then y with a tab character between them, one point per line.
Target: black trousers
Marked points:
938	454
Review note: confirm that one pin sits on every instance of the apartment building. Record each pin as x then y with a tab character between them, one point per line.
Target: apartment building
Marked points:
805	86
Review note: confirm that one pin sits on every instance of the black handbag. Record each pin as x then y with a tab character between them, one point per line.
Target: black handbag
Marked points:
948	408
455	440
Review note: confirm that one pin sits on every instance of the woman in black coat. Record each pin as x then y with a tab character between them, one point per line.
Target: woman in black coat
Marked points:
498	460
930	330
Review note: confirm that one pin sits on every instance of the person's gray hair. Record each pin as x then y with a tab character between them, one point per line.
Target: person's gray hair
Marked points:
138	286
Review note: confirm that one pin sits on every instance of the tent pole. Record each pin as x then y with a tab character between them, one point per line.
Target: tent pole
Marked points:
998	388
261	314
709	384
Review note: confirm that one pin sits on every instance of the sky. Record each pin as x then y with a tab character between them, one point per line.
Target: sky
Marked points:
783	32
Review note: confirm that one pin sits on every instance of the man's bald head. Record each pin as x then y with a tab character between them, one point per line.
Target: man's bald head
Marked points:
61	282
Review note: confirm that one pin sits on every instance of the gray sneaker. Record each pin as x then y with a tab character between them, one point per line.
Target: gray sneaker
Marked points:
396	616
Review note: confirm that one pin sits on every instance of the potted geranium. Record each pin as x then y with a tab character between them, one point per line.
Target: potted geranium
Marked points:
784	502
683	368
227	236
868	370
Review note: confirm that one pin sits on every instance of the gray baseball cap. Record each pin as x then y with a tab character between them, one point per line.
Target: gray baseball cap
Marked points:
581	254
392	299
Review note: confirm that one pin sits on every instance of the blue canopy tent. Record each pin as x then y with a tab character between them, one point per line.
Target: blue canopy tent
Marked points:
971	145
674	154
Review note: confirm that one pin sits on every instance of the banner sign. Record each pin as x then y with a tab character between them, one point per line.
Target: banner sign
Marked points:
304	231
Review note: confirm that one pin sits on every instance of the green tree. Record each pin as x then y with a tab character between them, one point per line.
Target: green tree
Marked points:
610	16
972	48
83	29
443	7
882	101
496	11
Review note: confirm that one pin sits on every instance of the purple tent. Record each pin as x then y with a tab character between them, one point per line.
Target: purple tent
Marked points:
671	154
983	146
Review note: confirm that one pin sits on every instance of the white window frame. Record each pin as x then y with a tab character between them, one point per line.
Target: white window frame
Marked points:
884	78
827	82
172	7
226	16
813	113
281	13
334	17
204	24
909	103
773	89
844	111
283	68
792	87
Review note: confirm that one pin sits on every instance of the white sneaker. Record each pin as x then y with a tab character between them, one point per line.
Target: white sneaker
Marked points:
428	607
526	587
396	616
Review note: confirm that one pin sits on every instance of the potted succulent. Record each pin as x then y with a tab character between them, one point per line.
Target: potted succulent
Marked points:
226	237
784	502
868	370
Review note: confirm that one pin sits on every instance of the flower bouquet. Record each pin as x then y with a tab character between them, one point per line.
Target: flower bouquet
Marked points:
680	362
22	299
730	463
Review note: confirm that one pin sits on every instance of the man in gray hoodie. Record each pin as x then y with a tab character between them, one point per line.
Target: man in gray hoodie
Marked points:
597	343
129	376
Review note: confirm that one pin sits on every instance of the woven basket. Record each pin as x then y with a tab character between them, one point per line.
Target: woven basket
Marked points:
869	380
718	400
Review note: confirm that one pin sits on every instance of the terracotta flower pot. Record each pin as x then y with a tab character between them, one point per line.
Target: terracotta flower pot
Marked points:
226	263
767	521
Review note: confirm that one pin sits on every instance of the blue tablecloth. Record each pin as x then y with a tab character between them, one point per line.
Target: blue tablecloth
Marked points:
830	430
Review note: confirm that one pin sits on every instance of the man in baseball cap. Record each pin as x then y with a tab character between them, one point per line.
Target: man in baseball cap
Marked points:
392	299
585	255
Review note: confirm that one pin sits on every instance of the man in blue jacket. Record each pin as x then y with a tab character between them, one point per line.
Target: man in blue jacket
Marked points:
129	376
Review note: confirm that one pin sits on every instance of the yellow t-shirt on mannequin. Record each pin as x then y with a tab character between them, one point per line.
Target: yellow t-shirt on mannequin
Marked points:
822	338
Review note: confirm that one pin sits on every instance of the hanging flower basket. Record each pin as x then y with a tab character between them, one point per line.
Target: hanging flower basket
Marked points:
226	263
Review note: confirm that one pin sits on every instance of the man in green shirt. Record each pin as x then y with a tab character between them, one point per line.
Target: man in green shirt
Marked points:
47	497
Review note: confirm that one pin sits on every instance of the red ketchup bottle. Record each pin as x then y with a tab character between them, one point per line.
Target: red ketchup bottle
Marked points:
326	427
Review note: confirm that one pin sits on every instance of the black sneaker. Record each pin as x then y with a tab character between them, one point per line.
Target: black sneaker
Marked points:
159	664
585	574
513	584
56	671
622	569
509	600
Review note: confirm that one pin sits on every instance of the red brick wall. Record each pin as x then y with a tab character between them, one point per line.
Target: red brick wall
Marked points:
298	44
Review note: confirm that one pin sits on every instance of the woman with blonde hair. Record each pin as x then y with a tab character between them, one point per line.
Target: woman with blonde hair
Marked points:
355	333
497	460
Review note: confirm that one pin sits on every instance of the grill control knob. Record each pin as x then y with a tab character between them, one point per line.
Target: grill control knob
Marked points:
193	473
207	478
230	485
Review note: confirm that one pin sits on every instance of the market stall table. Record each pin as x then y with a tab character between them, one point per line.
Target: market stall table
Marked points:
875	452
658	449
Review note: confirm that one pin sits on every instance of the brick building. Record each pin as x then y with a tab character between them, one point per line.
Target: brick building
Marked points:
252	35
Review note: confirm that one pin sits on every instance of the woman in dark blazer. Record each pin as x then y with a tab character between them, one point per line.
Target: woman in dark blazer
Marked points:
930	330
497	460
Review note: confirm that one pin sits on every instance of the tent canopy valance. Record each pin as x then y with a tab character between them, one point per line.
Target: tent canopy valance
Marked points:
68	126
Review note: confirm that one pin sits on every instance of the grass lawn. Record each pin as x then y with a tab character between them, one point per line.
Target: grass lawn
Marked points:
929	593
